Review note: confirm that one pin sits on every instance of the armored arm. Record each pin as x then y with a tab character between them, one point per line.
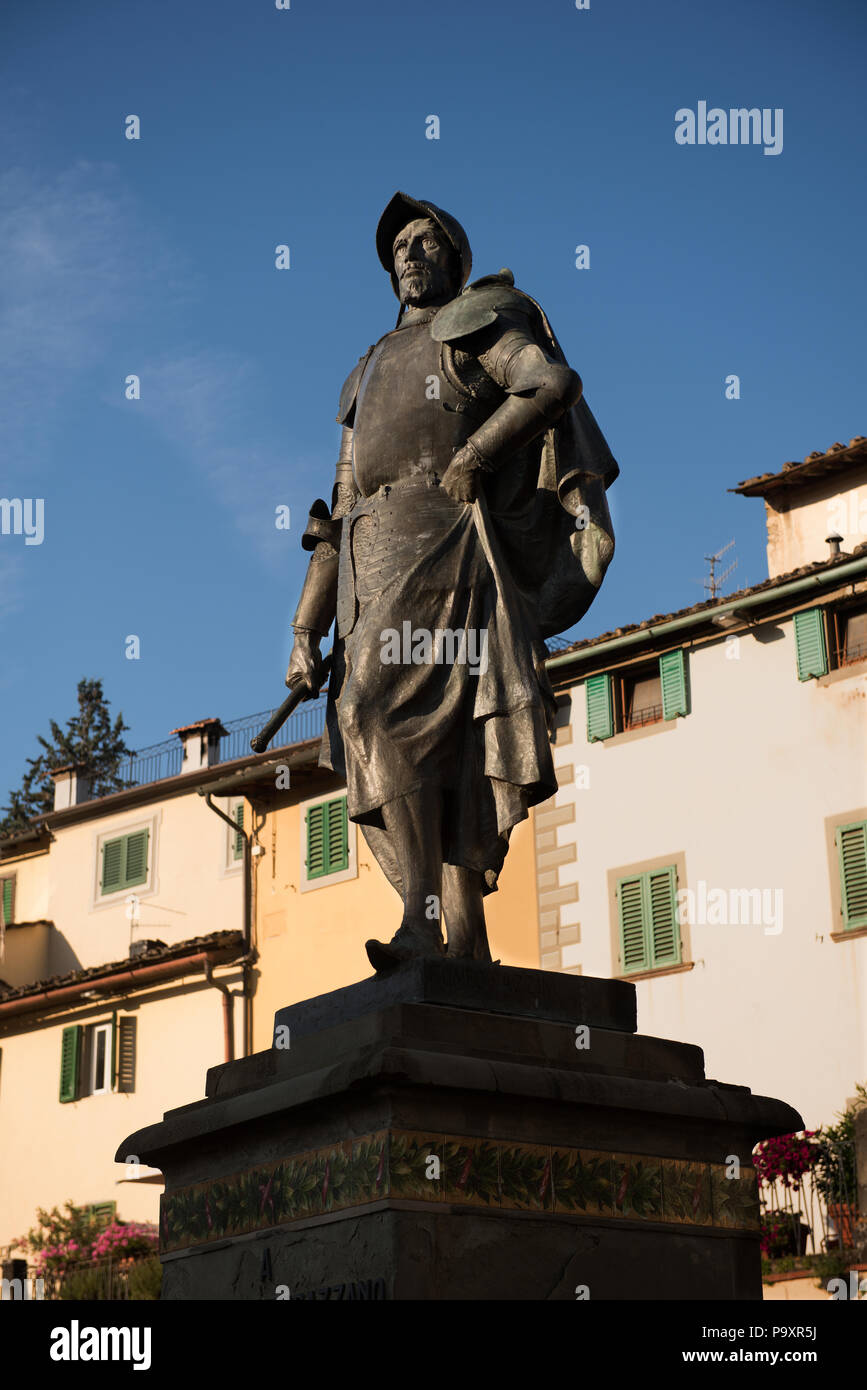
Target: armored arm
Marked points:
539	389
316	606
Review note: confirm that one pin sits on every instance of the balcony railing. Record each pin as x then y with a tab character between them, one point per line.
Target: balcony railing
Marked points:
306	722
165	759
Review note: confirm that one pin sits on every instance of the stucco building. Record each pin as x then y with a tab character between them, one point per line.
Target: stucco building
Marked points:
709	838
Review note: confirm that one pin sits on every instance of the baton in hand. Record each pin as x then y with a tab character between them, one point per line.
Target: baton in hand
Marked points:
297	694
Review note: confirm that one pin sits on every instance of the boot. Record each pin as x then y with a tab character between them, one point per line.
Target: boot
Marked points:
408	943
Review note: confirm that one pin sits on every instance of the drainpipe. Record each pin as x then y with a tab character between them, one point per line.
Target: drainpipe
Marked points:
228	1011
807	585
247	923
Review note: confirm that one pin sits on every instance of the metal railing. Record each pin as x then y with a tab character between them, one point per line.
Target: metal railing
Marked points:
108	1280
651	714
165	759
306	722
152	764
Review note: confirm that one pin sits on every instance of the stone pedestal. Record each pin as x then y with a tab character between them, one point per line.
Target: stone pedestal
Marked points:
462	1131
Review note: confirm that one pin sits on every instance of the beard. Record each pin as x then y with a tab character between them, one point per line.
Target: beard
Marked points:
421	284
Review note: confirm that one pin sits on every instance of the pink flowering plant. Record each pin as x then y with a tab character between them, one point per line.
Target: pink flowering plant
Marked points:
785	1160
65	1240
125	1240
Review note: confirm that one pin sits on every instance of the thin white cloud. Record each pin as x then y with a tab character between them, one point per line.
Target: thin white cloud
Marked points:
202	403
80	259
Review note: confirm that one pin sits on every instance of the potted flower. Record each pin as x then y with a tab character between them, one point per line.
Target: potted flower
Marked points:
834	1172
783	1233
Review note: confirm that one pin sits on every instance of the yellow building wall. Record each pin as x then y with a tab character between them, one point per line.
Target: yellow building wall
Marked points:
52	1152
192	889
312	942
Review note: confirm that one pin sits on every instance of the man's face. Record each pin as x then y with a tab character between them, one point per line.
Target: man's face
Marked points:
423	263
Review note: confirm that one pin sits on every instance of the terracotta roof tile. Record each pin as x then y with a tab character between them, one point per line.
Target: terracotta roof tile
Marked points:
835	459
708	605
213	941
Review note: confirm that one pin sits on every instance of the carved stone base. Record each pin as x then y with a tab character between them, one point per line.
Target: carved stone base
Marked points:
463	1131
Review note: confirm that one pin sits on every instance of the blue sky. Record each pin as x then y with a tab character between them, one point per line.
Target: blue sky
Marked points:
260	127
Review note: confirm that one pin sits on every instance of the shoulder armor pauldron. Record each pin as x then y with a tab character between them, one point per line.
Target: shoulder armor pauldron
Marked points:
480	305
350	388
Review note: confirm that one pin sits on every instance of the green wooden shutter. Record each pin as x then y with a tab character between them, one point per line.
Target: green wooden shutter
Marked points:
327	838
672	678
649	935
810	644
316	841
852	851
126	1038
600	714
136	866
8	885
633	945
103	1212
664	934
112	866
337	835
70	1052
125	862
238	841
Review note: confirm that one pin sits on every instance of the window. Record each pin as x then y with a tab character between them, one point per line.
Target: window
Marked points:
103	1212
640	698
327	838
637	696
852	851
97	1058
124	862
848	634
100	1059
649	932
7	900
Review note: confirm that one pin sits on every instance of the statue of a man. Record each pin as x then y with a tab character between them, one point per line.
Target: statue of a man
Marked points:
468	523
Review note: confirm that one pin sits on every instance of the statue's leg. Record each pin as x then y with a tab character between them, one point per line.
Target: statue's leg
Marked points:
414	827
463	905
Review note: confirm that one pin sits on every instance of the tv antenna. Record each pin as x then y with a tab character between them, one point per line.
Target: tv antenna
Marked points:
714	582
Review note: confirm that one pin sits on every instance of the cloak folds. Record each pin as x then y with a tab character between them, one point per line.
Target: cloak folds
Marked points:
481	735
514	567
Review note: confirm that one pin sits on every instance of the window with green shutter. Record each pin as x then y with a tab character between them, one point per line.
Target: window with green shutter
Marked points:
238	837
852	852
636	696
103	1212
649	932
70	1053
327	838
125	1063
672	676
7	898
810	646
124	862
600	712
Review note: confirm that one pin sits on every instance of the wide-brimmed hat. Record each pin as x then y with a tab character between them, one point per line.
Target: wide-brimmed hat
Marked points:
403	209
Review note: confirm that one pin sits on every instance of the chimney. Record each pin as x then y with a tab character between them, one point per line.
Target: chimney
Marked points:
71	786
834	542
201	744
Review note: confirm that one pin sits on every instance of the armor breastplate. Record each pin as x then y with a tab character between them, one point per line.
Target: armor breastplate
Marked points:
409	418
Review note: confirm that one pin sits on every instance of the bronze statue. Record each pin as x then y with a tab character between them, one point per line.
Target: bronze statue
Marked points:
468	522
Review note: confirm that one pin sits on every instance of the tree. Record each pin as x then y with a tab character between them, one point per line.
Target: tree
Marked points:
90	740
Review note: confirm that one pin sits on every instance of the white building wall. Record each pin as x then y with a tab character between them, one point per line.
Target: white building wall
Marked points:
740	788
